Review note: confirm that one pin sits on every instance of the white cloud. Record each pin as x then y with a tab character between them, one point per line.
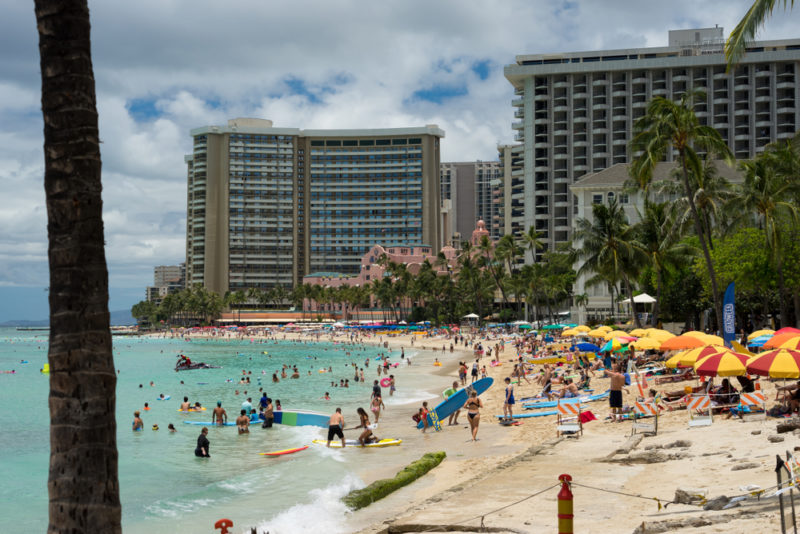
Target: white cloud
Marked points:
203	62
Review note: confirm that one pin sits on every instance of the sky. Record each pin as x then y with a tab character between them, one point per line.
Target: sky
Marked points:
163	67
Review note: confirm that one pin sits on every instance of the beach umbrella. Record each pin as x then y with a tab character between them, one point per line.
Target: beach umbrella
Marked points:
582	328
779	363
793	344
694	333
569	332
690	357
553	327
759	333
723	363
596	333
759	341
614	344
681	342
638	332
675	361
605	328
779	339
710	339
586	347
646	343
787	330
614	333
660	335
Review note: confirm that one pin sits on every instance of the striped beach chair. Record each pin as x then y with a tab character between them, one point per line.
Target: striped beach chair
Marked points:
699	408
569	418
756	402
641	410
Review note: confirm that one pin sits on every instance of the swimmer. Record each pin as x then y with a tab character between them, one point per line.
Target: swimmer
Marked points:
327	396
185	406
138	424
243	423
171	428
146	407
219	416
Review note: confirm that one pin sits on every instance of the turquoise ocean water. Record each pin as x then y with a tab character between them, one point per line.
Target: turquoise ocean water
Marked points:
164	488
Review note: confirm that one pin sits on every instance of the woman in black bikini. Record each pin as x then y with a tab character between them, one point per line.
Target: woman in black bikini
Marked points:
473	407
363	439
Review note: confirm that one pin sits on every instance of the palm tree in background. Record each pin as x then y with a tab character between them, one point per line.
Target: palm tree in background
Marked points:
745	31
83	484
669	126
609	246
532	241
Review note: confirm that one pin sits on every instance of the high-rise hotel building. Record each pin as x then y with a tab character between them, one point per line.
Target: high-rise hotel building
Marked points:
576	110
268	205
471	189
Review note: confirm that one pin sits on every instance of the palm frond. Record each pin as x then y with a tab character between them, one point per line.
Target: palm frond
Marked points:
744	32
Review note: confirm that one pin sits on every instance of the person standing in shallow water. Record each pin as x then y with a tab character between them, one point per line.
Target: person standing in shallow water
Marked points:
202	445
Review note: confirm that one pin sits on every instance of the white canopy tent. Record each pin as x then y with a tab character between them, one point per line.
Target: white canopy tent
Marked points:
471	316
644	298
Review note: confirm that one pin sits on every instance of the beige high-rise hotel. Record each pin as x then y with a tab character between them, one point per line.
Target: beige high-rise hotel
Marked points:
267	205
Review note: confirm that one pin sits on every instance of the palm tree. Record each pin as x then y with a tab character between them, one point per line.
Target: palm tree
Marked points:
669	126
531	240
488	260
83	484
745	31
767	192
660	242
609	246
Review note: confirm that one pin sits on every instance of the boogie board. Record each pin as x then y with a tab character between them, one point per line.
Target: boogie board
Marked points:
208	423
193	410
165	397
457	401
284	451
301	419
337	443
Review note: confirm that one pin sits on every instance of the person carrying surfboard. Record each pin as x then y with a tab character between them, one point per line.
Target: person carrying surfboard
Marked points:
453	419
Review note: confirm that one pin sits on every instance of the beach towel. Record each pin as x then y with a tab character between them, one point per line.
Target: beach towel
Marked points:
587	416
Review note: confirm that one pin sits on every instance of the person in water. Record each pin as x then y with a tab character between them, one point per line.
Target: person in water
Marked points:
243	423
364	438
202	445
138	424
269	415
185	406
219	416
336	427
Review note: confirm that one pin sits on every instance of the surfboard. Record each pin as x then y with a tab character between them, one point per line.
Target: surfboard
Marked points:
284	451
526	415
300	418
457	400
553	404
337	443
208	423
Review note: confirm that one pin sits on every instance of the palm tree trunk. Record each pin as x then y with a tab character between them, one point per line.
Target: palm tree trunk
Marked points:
784	309
629	289
796	299
83	483
657	305
698	226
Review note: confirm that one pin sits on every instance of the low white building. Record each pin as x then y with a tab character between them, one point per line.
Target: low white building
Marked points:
602	188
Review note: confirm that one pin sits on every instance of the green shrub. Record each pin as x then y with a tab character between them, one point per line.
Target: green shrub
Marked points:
379	489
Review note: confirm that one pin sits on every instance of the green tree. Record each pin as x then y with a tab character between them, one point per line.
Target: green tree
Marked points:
673	126
745	31
83	484
533	242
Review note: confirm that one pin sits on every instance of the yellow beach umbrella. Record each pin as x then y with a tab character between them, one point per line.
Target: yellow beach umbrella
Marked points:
569	332
712	340
759	333
646	343
582	328
638	332
660	336
690	357
614	333
694	333
779	363
675	361
596	333
605	327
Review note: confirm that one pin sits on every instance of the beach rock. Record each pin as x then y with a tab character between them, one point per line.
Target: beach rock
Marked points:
788	426
775	439
688	495
650	457
746	465
755	432
717	503
681	443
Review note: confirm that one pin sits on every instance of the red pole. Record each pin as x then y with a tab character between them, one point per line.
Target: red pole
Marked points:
565	506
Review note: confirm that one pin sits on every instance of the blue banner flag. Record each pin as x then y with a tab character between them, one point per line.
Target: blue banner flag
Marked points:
728	316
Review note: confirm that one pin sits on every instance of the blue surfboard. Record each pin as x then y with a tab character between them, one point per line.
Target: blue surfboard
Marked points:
301	419
457	401
553	404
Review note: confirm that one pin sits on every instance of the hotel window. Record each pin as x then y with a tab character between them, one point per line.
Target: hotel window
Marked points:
597	198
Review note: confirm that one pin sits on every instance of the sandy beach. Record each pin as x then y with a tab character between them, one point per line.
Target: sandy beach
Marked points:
508	479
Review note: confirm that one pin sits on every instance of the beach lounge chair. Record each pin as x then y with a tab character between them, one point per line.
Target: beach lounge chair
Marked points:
679	377
569	418
699	408
756	403
641	410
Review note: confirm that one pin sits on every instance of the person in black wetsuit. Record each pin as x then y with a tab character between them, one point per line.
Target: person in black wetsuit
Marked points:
202	445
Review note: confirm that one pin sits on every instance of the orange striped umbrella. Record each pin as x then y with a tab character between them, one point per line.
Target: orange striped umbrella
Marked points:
690	357
779	339
793	344
682	342
780	363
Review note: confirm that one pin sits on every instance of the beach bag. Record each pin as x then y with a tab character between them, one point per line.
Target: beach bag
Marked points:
415	417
